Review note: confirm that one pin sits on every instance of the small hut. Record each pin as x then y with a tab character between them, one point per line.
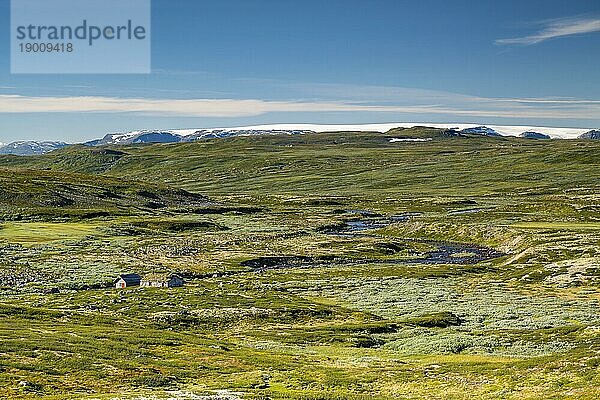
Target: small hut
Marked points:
127	280
162	280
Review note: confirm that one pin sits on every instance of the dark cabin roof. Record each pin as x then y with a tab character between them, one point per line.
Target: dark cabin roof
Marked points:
130	278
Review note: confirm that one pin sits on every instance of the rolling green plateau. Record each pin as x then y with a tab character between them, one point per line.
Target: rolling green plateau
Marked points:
337	265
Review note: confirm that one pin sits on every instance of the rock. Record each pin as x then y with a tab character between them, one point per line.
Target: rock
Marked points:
534	135
480	130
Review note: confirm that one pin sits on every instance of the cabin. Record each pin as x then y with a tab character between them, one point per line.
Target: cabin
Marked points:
162	280
127	280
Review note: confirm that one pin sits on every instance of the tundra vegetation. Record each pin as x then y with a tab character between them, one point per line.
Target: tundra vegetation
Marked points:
318	266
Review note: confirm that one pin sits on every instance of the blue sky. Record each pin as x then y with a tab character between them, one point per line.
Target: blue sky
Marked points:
242	62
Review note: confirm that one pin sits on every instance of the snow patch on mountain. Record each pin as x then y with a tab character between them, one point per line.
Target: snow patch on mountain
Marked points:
395	140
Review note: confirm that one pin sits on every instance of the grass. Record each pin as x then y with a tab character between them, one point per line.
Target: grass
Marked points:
564	226
43	232
348	320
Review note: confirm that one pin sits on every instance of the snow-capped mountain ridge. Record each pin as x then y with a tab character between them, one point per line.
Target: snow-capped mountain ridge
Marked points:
30	147
189	135
504	130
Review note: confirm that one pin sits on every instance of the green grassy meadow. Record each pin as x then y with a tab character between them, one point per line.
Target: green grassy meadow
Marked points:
321	266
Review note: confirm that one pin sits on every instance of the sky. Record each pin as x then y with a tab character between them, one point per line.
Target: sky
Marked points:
248	62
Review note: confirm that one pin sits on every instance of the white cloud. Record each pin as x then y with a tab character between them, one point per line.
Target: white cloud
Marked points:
556	29
175	107
395	100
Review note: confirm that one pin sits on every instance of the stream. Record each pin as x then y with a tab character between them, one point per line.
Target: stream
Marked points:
441	253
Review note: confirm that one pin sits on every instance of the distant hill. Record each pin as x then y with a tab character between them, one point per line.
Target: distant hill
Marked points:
421	132
593	134
535	135
342	163
136	137
28	192
480	130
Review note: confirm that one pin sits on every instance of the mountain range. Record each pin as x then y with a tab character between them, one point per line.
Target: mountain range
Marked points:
31	147
175	136
189	135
